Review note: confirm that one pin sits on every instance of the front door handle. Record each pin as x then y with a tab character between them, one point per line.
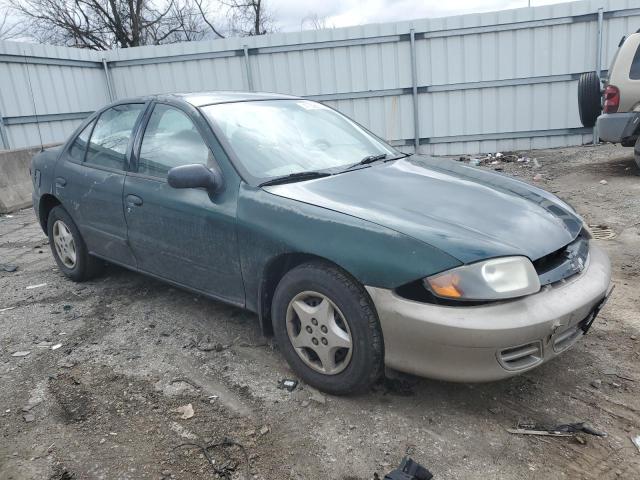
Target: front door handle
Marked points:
134	200
61	182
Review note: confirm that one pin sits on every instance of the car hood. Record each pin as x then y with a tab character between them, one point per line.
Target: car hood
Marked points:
469	213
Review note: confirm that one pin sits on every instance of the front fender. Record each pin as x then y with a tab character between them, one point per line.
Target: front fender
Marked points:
270	226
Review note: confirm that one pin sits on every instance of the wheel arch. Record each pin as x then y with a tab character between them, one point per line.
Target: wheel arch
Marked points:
47	203
274	270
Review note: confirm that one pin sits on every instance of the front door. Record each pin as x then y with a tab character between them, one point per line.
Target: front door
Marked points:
90	178
183	235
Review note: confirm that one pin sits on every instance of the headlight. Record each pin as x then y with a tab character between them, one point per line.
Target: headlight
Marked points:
494	279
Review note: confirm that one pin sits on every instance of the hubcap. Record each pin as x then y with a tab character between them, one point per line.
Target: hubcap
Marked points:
319	333
64	244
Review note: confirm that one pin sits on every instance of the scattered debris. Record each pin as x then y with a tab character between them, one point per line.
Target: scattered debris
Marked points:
22	353
6	309
536	163
226	469
186	411
603	182
44	345
636	442
264	430
565	430
31	287
409	470
29	417
596	383
8	267
537	177
287	384
56	346
474	162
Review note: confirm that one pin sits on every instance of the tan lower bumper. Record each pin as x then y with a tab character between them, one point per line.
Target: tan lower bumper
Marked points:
489	342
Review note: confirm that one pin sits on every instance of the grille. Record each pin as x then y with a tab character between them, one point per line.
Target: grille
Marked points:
524	356
565	262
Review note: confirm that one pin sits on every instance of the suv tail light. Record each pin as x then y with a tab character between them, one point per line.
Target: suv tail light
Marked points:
611	99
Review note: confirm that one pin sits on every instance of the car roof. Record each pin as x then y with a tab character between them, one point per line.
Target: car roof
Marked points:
199	99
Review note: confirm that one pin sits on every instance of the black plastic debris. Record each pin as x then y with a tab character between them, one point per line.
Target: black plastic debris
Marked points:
409	470
287	384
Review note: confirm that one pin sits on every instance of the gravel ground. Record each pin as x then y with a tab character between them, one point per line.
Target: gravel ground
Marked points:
133	350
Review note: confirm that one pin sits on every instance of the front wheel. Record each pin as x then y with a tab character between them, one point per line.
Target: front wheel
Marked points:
327	329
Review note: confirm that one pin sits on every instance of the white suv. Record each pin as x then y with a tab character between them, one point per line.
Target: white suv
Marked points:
619	102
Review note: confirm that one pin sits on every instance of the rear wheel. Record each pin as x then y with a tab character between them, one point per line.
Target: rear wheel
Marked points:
589	98
327	329
69	249
636	152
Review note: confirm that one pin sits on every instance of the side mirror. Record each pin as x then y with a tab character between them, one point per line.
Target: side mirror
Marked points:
194	176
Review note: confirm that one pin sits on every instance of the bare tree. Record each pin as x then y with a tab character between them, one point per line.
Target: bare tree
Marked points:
248	17
315	22
205	14
8	29
106	24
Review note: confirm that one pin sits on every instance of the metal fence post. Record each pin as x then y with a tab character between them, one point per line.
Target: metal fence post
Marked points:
414	91
248	67
596	138
3	135
108	78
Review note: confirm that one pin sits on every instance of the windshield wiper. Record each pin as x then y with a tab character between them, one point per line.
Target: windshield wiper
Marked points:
374	158
371	158
294	177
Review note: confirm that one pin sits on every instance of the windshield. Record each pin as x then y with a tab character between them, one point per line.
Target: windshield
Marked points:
273	138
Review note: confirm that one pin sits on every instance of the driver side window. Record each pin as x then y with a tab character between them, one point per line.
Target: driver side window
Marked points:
170	140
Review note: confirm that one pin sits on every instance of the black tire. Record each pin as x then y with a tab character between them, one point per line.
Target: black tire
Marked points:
366	363
86	266
589	98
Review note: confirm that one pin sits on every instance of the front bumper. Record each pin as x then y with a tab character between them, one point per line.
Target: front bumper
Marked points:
617	127
495	341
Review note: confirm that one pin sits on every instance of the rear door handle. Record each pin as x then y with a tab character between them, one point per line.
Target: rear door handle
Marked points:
134	200
61	182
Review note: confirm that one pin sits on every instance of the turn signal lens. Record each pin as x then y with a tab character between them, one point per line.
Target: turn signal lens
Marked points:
446	285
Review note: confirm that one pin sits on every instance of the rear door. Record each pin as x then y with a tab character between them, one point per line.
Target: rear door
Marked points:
187	236
90	179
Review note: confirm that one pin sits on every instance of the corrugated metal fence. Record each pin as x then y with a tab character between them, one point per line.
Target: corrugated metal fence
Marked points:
473	83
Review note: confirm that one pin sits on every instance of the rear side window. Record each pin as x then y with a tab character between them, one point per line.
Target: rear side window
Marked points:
634	73
170	140
79	146
111	135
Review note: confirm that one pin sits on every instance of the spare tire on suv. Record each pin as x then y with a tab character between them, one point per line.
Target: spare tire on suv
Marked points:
589	98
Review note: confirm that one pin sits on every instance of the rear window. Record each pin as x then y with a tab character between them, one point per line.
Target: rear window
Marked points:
111	135
79	146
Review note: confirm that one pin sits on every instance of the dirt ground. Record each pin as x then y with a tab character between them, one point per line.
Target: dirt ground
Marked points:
133	350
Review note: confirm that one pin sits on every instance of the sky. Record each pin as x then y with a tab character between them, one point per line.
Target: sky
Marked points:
342	13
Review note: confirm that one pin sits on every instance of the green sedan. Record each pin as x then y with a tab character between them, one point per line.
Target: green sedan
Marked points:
353	254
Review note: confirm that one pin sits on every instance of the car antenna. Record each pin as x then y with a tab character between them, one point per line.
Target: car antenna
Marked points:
33	100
